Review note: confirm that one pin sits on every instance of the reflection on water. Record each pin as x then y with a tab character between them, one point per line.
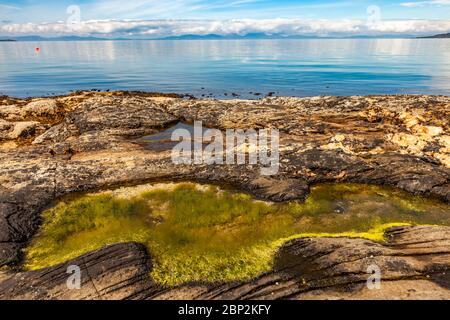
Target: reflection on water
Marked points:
287	67
162	141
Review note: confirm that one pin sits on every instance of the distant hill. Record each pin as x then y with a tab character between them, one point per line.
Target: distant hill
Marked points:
65	38
194	37
438	36
262	36
181	37
249	36
7	40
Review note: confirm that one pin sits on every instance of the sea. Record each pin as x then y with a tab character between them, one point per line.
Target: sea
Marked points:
225	69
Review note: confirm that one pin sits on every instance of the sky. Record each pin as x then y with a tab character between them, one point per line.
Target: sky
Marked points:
159	18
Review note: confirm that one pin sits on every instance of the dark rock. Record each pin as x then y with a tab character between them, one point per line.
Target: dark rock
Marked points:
117	272
279	190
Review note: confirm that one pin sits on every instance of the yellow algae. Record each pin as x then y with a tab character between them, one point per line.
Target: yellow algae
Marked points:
205	233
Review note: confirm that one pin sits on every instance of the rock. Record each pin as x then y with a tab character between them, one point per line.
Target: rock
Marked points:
279	190
433	131
414	144
89	140
41	108
19	130
57	133
10	252
23	129
409	120
117	272
8	145
338	138
5	126
339	207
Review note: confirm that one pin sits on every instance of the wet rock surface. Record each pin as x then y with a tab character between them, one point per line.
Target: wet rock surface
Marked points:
86	141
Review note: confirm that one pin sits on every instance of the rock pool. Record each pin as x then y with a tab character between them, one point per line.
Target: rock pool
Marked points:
206	233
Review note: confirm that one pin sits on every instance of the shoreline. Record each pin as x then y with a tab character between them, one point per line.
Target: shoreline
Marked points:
226	96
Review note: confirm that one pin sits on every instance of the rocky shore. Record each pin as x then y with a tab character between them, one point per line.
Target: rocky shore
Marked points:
51	147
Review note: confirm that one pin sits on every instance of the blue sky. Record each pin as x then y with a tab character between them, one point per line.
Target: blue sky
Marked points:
14	15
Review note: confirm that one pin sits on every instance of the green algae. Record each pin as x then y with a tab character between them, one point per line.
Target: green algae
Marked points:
204	233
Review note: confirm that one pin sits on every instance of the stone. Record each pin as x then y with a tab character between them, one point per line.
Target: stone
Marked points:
23	129
41	108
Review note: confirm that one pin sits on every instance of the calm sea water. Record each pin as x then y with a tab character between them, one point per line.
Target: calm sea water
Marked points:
286	67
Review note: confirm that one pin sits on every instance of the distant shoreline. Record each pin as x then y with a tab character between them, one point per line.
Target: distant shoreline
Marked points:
438	36
219	37
255	96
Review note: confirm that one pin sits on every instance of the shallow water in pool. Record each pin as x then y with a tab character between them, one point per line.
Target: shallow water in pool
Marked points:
204	233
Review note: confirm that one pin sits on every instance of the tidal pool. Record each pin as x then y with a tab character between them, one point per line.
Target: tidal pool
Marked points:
205	233
162	141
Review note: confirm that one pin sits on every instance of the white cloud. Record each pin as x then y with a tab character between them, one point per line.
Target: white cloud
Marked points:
288	27
426	3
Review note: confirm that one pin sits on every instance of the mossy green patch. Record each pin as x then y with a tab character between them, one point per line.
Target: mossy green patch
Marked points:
204	233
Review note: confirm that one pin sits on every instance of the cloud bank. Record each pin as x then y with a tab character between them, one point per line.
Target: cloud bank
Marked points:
426	3
285	27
